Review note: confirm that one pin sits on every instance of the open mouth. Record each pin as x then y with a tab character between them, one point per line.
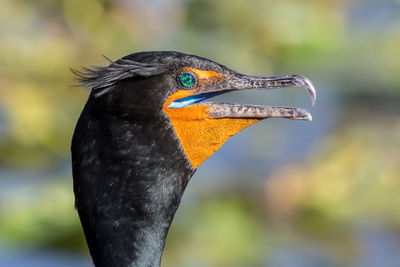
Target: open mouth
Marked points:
247	82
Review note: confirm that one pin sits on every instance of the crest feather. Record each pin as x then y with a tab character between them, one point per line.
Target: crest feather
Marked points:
103	78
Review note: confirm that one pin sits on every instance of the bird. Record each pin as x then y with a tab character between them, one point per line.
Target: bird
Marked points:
146	127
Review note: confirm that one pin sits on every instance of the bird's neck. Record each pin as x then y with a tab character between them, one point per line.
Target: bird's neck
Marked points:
128	182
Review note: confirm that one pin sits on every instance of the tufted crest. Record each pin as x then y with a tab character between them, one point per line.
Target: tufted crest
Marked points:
103	78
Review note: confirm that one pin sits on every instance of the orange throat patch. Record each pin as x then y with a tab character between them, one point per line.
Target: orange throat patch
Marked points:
200	134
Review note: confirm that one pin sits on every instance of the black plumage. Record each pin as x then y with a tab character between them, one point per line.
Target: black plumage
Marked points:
129	167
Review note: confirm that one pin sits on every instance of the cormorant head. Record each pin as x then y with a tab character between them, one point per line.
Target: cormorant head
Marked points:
148	86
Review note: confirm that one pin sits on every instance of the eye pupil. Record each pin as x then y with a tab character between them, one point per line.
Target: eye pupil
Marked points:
187	80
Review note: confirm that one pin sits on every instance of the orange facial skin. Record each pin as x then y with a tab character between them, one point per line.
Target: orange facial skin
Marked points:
205	77
200	134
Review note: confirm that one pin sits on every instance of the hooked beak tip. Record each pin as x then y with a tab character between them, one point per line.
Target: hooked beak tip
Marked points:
307	84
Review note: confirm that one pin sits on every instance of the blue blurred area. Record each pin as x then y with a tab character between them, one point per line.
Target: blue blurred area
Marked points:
43	258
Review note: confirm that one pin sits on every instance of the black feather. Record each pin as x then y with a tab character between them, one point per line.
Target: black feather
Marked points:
102	79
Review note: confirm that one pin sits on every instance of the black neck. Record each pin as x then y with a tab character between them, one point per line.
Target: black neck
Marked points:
129	178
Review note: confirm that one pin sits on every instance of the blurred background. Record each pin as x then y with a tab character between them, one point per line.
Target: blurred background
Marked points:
280	193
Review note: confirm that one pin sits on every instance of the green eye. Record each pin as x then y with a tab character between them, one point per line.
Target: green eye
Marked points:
187	80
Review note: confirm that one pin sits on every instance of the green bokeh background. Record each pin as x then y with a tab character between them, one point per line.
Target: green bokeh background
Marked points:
281	193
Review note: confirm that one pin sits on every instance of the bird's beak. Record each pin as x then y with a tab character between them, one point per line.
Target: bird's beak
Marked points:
239	81
202	127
